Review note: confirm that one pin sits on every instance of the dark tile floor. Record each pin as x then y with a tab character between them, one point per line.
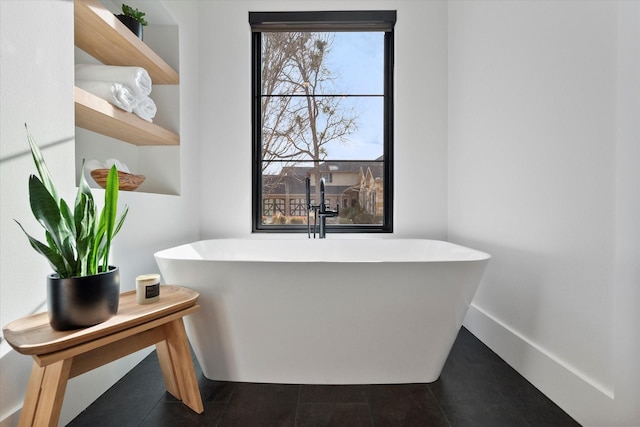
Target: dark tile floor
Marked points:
476	388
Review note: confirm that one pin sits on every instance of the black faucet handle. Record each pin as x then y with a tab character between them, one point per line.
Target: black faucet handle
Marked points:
331	212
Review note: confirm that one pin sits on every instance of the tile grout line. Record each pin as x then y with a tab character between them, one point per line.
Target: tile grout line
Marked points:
142	421
295	415
477	367
510	405
367	391
444	413
226	405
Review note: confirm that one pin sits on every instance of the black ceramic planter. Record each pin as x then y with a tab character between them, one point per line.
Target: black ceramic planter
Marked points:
132	24
78	302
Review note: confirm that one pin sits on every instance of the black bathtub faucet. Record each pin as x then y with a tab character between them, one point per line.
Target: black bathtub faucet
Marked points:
319	210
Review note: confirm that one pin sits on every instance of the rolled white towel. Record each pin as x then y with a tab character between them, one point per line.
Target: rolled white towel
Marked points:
115	93
145	108
136	78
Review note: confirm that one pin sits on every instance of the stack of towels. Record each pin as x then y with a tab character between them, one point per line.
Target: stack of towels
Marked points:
127	88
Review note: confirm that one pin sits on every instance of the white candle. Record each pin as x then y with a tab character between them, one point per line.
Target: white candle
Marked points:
147	288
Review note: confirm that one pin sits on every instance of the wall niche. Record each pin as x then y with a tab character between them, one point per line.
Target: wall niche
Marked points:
104	131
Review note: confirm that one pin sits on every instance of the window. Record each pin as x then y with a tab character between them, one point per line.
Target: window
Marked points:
273	207
322	107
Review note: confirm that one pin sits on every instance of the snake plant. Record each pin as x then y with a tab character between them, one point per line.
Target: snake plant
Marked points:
78	241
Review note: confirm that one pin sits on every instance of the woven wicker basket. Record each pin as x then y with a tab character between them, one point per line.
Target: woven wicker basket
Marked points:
127	181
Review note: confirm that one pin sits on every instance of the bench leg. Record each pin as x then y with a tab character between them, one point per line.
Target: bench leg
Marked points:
45	393
177	366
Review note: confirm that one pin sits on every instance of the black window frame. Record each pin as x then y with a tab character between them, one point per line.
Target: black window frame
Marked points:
360	20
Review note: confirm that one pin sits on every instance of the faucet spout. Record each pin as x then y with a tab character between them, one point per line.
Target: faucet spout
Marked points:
324	212
322	185
320	210
322	233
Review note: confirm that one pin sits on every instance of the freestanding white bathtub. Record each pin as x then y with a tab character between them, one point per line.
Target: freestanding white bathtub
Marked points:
331	311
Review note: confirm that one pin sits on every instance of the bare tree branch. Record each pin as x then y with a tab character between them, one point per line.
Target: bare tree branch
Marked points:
298	128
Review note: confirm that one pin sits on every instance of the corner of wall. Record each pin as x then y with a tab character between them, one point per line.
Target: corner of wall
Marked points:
587	401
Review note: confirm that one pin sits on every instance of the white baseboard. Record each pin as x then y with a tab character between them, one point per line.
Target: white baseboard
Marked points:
584	399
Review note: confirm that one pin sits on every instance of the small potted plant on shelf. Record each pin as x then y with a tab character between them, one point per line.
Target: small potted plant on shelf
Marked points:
133	19
84	289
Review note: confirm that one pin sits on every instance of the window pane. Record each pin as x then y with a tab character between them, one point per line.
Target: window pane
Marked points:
284	193
358	59
366	141
353	130
354	61
354	188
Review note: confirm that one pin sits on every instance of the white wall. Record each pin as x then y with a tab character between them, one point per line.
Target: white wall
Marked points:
36	84
420	113
36	87
543	174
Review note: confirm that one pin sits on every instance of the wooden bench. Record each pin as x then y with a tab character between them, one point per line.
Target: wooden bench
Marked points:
60	355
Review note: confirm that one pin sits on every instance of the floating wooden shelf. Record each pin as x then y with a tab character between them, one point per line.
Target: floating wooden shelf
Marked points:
96	114
99	33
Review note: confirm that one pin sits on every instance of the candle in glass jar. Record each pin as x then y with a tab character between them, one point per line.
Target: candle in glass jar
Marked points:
147	288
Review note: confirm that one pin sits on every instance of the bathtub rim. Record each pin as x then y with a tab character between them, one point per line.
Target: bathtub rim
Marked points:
171	252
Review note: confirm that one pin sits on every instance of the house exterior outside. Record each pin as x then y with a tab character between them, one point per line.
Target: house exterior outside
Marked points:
356	186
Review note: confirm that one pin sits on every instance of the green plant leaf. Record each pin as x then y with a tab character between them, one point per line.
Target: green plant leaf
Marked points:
68	260
67	216
84	205
46	211
123	216
85	223
84	215
98	246
41	166
109	212
85	247
55	260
